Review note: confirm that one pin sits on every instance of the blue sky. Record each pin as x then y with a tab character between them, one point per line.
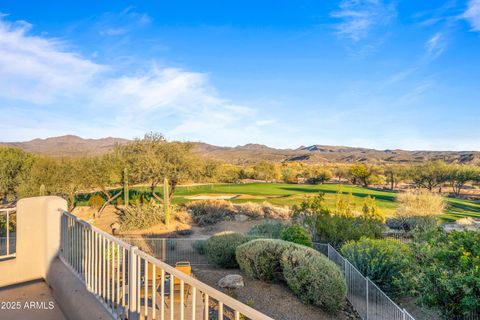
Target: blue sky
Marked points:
380	74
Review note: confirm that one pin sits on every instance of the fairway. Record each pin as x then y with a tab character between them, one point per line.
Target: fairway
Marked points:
289	194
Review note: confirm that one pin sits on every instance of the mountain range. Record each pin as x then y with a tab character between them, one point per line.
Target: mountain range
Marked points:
71	145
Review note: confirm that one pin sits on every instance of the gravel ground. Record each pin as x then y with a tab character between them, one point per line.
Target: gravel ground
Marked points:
275	300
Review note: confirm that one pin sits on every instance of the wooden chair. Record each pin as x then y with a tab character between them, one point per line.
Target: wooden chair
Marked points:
185	267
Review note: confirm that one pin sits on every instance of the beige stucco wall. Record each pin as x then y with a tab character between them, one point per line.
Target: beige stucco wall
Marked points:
38	240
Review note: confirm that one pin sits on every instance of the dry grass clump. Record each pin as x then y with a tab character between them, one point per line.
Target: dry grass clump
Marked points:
251	209
419	204
141	216
276	212
208	212
418	209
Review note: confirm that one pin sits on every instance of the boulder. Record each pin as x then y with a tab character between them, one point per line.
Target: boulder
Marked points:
231	281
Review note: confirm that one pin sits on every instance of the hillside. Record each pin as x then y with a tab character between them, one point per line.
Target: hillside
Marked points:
70	145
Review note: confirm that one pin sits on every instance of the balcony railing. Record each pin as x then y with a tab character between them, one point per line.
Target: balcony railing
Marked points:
7	237
132	284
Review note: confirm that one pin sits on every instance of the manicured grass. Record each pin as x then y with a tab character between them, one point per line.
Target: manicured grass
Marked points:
290	194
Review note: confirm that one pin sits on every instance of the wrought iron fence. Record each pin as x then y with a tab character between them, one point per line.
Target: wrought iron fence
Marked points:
366	297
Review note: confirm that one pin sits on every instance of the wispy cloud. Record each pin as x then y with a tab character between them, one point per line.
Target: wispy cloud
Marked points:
435	46
360	17
472	14
42	79
123	22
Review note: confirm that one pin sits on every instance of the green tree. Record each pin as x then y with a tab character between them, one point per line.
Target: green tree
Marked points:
430	174
360	173
63	177
152	159
394	174
13	163
458	175
104	173
265	170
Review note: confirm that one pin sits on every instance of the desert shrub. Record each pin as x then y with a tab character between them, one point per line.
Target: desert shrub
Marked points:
139	198
180	215
269	229
208	212
251	209
385	262
119	201
220	248
296	234
341	224
3	224
141	216
313	278
448	271
199	246
276	212
260	259
418	208
96	201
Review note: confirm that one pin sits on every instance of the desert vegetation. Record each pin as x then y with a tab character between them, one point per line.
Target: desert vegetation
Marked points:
152	181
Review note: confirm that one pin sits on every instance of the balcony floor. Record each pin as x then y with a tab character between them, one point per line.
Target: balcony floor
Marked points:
32	300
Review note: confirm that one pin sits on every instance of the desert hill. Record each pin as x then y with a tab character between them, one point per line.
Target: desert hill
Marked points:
71	145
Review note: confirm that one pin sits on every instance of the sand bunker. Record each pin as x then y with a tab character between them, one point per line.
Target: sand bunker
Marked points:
213	197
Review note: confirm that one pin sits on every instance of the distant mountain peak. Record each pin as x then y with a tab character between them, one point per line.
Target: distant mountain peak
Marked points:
72	145
253	146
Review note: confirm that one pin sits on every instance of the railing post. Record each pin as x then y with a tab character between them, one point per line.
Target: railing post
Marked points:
404	315
133	310
8	232
366	297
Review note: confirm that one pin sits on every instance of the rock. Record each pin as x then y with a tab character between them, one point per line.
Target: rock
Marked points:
232	281
241	217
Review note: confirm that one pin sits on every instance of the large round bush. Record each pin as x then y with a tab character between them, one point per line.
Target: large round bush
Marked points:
385	262
220	248
260	259
314	278
296	234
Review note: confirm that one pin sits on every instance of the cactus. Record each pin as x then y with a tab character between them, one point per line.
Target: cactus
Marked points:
42	191
126	193
166	200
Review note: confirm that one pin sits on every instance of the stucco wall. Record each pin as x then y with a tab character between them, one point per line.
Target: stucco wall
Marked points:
38	240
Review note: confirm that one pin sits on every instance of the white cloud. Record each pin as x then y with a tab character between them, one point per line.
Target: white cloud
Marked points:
472	14
37	70
359	17
42	79
435	46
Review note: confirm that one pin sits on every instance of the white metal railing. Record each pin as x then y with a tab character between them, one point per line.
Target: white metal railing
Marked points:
170	250
370	302
8	242
131	284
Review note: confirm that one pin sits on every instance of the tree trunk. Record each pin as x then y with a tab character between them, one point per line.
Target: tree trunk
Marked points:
156	196
109	200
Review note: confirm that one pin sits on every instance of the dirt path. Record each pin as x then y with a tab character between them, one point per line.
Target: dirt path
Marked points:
275	300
